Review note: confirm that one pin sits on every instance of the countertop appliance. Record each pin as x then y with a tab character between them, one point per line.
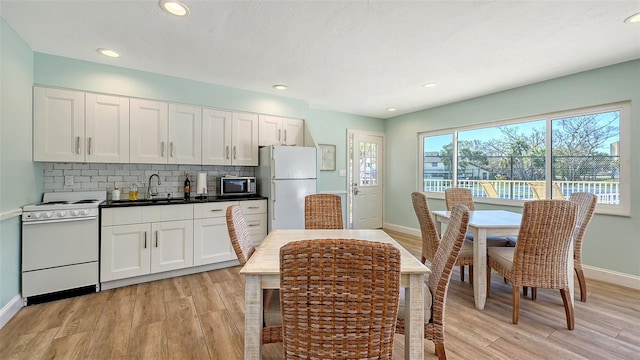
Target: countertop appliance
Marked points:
60	243
237	185
286	174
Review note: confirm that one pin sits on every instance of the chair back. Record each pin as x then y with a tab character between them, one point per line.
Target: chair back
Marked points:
339	299
489	189
323	211
455	196
445	259
430	237
239	234
541	254
586	207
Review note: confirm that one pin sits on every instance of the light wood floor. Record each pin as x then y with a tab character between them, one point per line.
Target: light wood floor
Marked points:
201	317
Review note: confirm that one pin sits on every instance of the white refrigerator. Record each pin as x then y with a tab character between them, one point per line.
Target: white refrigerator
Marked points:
285	175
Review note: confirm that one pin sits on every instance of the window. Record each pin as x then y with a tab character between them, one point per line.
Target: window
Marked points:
547	156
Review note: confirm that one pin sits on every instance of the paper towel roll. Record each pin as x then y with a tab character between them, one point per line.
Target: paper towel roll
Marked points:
201	183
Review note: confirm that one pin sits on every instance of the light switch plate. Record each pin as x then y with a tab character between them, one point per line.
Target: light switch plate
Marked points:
68	180
342	172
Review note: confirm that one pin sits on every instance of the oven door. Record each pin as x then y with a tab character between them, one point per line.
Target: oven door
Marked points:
53	243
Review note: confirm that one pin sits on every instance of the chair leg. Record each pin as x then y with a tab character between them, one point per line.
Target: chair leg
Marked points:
568	308
525	291
461	273
488	281
442	355
516	304
583	285
534	293
471	274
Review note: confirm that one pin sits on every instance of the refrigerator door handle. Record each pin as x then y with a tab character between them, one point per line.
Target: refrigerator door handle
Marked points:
273	198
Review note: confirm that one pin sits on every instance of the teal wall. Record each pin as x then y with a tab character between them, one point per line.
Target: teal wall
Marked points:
611	242
20	178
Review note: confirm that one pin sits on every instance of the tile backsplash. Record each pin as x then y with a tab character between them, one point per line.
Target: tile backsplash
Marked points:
90	176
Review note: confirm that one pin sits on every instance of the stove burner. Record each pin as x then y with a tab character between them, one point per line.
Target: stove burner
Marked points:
52	203
88	201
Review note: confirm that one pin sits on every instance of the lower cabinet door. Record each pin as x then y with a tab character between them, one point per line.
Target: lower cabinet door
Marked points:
125	251
171	245
211	241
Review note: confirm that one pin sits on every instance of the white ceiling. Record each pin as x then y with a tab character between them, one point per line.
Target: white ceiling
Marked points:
358	57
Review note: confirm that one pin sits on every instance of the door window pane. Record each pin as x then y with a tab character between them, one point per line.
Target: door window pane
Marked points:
368	164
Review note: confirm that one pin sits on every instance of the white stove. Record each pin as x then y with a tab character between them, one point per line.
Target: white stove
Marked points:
64	205
60	244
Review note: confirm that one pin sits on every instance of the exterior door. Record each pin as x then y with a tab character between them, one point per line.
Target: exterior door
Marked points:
366	180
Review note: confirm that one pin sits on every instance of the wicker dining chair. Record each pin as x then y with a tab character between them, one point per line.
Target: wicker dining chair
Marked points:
540	257
431	239
323	211
586	207
244	248
438	282
339	299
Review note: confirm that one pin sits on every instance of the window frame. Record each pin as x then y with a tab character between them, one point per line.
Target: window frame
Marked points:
624	108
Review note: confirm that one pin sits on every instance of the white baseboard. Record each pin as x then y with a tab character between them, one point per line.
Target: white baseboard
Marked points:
590	272
610	276
10	310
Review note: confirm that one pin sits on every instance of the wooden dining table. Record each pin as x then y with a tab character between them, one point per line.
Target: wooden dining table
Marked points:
483	223
262	271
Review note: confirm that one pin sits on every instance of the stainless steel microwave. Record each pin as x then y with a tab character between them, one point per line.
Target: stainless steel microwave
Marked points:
237	185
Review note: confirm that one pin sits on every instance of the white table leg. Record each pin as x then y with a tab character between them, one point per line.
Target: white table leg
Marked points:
414	319
252	318
479	266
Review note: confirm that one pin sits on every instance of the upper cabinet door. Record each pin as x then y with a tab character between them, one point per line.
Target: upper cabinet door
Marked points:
244	149
185	127
148	125
270	130
58	125
292	132
107	128
216	137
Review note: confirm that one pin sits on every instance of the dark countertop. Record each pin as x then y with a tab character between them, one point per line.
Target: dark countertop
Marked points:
176	201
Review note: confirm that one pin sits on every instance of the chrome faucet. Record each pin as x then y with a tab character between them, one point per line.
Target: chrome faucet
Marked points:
155	193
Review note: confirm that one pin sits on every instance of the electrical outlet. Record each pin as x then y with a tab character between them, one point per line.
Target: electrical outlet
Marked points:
68	180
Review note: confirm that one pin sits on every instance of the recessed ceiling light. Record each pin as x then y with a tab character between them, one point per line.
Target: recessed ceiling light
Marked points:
635	18
429	84
174	7
109	53
280	87
391	109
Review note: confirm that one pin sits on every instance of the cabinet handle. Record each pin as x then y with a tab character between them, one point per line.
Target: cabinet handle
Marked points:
227	151
285	136
162	149
89	146
145	239
253	225
234	152
216	209
253	207
172	154
279	134
78	145
156	239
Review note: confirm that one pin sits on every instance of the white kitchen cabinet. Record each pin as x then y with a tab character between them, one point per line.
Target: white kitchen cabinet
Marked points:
185	128
211	242
275	130
58	125
143	240
216	137
255	214
149	128
106	128
229	138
